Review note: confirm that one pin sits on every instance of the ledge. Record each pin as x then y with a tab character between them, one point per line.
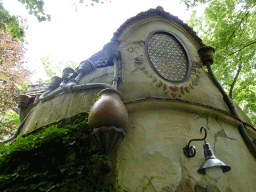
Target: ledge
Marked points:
187	106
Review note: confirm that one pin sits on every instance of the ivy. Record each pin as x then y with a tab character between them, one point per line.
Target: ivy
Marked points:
58	157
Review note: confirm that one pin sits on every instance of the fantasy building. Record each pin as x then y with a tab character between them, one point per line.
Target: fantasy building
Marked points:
157	93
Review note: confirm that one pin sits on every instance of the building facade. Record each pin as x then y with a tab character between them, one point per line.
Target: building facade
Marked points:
154	61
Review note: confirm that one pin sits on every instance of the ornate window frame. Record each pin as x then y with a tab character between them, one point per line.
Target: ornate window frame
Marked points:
189	62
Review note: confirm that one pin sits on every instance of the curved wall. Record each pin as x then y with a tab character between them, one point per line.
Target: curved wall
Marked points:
164	116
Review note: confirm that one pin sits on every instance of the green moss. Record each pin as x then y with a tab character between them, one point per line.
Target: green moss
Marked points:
31	141
59	157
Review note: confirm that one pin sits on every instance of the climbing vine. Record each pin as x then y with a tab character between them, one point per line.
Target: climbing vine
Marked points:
59	157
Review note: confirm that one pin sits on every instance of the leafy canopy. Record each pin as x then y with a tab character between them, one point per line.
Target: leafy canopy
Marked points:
8	124
13	78
55	68
12	23
13	74
230	27
34	7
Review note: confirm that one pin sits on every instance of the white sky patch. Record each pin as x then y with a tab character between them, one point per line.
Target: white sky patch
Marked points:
75	35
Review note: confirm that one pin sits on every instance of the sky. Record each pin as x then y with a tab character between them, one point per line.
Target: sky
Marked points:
76	35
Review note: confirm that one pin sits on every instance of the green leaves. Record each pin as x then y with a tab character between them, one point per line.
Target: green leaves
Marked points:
55	68
36	8
193	3
230	27
12	79
52	132
23	88
8	124
87	3
11	22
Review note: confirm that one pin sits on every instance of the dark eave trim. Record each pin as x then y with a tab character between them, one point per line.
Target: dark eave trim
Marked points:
151	13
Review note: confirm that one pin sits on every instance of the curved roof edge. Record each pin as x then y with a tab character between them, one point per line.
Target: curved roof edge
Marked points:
156	12
100	60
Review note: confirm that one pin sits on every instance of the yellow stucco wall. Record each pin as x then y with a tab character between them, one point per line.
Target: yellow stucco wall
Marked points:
163	117
151	156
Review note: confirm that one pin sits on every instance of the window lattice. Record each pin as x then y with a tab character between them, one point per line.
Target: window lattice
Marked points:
168	56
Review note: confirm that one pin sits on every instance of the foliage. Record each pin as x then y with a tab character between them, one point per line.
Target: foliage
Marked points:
53	68
53	131
13	25
57	158
230	27
13	75
92	2
12	22
8	124
13	72
194	3
23	88
34	7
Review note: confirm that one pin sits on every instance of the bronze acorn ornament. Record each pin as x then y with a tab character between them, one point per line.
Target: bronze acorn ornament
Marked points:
109	110
107	139
106	115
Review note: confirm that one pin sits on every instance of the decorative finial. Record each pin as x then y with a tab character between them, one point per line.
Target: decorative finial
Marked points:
207	54
160	8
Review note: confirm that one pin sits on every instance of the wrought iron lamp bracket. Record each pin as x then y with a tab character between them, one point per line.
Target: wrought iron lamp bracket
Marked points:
190	151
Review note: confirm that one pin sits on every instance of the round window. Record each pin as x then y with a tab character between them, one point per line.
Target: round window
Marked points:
168	56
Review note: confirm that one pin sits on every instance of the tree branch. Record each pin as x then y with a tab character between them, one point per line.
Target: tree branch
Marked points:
240	23
242	48
234	82
246	15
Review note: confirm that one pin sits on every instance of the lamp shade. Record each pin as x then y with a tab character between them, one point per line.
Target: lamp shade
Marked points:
211	163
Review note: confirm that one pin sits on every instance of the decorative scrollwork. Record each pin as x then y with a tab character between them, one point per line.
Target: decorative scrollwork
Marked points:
190	151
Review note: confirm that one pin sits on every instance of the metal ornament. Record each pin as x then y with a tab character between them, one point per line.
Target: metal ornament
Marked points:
207	54
108	139
55	82
190	151
211	166
211	161
108	110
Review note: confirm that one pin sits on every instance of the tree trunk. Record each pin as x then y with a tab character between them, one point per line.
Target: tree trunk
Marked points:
234	82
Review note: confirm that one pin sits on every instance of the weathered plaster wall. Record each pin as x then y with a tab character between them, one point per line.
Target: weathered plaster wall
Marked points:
68	104
140	81
151	156
154	146
163	117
